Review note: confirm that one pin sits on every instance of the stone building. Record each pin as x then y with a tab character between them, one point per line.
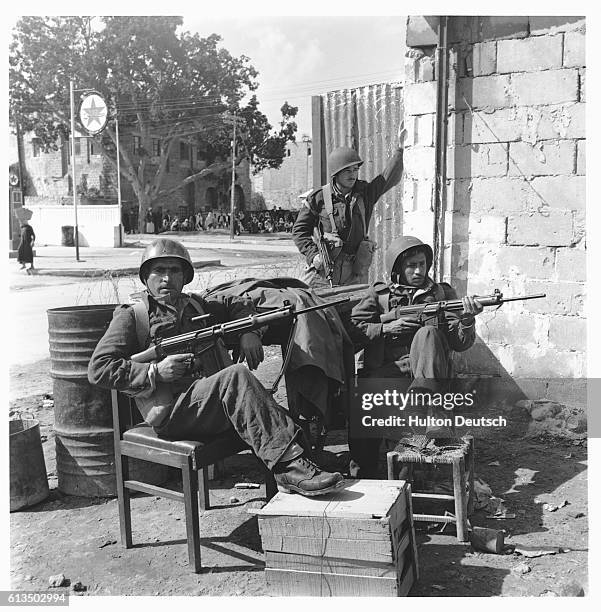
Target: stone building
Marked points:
49	180
282	187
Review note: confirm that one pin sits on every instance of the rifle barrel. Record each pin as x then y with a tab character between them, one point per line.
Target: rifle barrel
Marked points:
534	296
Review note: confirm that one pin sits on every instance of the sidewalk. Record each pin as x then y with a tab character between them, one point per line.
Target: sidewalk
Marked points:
206	250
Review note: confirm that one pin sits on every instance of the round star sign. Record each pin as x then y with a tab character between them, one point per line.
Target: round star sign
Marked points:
93	113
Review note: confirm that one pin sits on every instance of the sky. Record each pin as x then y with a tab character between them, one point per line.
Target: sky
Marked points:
298	57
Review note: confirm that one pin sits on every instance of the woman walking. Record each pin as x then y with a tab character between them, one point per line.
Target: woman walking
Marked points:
25	253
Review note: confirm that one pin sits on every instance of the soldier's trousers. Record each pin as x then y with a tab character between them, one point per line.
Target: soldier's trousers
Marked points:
431	368
232	399
342	274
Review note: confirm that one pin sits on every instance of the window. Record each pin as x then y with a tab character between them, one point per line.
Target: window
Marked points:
92	152
137	144
183	150
156	147
16	197
37	147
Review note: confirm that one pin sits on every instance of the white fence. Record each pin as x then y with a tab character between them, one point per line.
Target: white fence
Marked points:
99	225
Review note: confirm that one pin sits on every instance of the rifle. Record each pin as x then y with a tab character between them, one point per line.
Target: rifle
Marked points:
203	339
322	247
436	309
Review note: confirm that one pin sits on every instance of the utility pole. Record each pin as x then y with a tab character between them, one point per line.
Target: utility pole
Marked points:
118	176
233	119
73	174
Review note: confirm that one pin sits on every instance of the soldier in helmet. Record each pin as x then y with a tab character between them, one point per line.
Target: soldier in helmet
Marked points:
211	396
342	210
405	346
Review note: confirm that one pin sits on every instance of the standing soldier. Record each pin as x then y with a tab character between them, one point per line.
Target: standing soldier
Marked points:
340	212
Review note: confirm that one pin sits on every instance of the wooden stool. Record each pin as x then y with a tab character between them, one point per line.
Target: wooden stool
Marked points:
460	455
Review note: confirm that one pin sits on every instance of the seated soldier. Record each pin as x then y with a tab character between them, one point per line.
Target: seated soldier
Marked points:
405	346
212	397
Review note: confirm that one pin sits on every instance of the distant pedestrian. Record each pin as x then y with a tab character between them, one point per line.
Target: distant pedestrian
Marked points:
25	253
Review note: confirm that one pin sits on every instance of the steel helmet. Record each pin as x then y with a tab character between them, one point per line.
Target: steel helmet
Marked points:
341	158
399	245
163	248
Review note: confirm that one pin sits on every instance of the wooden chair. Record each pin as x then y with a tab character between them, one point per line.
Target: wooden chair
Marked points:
138	440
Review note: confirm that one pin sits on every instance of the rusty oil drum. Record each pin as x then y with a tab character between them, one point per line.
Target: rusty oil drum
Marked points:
83	423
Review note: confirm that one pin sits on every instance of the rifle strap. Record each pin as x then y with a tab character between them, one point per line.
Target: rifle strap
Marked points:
329	206
142	323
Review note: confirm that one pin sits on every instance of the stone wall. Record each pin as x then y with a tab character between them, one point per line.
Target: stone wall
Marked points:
515	215
282	186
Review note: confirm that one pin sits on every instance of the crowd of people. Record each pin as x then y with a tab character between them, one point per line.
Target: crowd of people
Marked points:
254	222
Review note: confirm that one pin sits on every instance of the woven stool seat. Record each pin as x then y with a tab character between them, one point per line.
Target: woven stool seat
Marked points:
433	452
456	453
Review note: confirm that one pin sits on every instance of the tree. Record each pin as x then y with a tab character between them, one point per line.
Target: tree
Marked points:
160	82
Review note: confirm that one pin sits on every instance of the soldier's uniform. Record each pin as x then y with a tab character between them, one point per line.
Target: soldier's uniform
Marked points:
348	219
423	355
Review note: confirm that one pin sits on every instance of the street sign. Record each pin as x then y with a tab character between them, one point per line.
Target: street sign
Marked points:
93	113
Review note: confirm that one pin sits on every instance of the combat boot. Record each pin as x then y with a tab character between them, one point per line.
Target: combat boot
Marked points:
301	475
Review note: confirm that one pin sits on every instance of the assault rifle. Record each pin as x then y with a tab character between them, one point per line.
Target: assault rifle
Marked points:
200	340
436	309
322	246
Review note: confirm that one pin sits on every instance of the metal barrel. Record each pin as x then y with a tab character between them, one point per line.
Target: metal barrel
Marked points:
28	479
85	458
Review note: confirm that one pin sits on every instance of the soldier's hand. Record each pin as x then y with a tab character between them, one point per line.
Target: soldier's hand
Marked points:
251	349
317	262
403	134
471	308
400	326
173	367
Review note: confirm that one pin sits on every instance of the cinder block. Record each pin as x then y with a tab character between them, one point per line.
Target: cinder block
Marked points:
496	27
534	362
501	327
476	160
564	192
554	229
484	59
562	298
498	195
568	333
529	54
421	130
553	25
570	265
530	262
549	157
420	98
422	31
545	87
464	29
489	229
419	162
494	126
484	92
420	224
411	68
559	121
417	195
574	49
581	157
425	69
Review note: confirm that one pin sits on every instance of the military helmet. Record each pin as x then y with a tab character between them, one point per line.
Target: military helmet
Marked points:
402	244
341	158
161	249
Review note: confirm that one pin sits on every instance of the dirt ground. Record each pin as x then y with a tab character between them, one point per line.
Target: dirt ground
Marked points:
79	537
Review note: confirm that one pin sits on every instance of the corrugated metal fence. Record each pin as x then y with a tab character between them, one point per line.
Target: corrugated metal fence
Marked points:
366	118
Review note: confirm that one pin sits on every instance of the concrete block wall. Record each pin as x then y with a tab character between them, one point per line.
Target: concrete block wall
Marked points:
516	170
